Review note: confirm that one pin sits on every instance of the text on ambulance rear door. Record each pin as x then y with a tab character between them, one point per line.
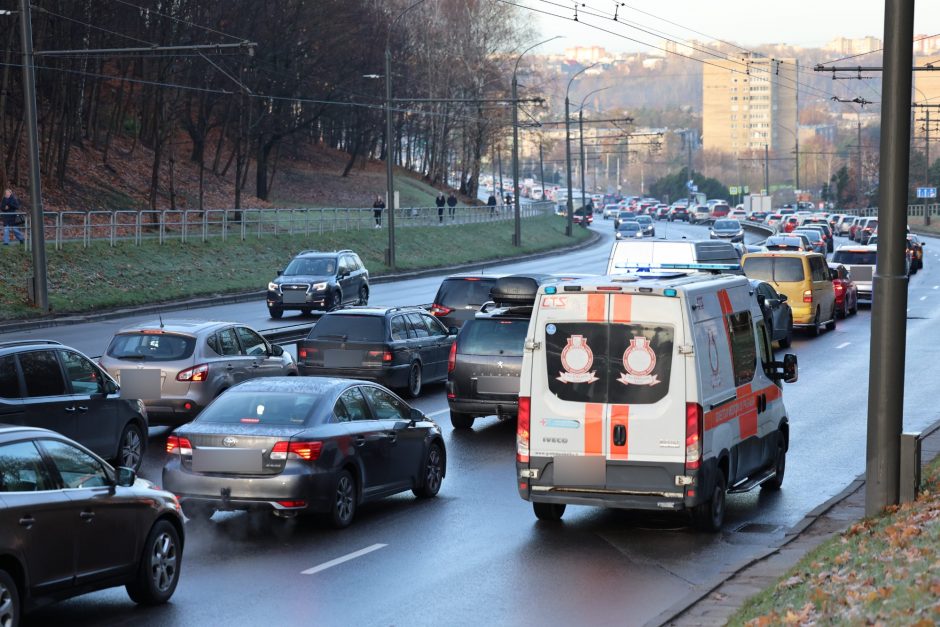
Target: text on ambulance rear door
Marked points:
610	389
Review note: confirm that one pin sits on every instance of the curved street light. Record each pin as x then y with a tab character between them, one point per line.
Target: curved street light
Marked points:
517	227
570	208
581	139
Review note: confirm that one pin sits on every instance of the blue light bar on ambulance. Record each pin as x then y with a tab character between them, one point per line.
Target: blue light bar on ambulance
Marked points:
550	289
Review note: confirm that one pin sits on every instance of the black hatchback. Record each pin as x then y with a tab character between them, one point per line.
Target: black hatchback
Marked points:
316	280
72	524
399	347
460	297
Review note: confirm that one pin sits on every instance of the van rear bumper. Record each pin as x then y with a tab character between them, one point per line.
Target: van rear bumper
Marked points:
567	496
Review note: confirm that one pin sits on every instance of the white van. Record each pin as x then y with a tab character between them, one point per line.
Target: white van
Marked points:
650	392
627	255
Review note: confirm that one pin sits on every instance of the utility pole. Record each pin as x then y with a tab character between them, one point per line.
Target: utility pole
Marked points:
796	133
688	144
889	285
858	172
517	222
581	138
569	206
499	163
766	170
927	166
541	171
389	166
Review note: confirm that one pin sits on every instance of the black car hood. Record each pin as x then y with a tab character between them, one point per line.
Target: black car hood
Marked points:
304	278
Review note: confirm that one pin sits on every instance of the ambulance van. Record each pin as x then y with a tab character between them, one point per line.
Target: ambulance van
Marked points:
650	391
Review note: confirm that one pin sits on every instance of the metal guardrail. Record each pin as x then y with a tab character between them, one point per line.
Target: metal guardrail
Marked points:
192	225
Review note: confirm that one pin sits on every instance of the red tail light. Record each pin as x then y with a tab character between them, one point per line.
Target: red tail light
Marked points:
807	296
307	451
176	444
384	356
292	504
693	436
522	430
837	286
452	358
194	374
440	310
302	353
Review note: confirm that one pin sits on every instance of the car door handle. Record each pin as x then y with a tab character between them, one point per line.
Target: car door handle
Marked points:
27	521
87	516
359	440
82	408
391	437
70	409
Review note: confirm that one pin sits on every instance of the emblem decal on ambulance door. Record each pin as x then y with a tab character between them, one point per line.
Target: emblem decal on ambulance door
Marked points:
639	360
713	358
577	359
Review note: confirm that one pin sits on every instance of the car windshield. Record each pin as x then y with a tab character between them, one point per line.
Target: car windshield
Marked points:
152	346
460	292
318	266
783	241
349	327
727	225
644	220
492	337
625	215
774	269
855	257
260	407
812	235
629	226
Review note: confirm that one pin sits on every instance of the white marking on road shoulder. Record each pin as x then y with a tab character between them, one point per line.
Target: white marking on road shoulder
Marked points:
923	298
438	413
843	345
936	286
343	559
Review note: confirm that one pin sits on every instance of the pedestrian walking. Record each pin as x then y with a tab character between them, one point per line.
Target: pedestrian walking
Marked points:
9	206
377	207
440	201
491	203
452	205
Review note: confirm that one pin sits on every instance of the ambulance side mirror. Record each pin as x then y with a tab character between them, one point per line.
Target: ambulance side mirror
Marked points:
791	370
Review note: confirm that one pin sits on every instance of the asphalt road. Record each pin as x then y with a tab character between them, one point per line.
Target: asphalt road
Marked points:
476	554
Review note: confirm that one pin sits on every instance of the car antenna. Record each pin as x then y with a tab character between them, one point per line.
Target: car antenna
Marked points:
160	315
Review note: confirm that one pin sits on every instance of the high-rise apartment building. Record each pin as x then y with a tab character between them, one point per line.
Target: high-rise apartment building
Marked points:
749	102
927	91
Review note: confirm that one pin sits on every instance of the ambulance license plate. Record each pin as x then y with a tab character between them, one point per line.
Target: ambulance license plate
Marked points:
581	471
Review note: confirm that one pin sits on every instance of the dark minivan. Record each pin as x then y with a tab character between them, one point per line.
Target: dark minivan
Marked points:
460	297
486	359
399	347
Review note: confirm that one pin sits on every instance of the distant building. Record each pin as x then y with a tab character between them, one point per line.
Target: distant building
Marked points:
749	102
847	46
826	132
586	54
926	89
926	44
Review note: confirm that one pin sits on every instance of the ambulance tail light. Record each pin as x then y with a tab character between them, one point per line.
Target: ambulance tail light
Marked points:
693	436
807	296
522	430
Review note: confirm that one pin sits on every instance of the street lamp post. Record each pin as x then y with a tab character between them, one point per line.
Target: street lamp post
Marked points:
581	139
517	227
569	231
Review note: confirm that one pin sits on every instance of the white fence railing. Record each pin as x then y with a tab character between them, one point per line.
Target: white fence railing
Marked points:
186	225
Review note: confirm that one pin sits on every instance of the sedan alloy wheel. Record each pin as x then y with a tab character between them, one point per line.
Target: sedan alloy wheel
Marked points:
344	500
131	452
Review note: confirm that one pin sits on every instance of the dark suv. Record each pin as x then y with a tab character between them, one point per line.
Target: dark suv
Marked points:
319	280
48	385
460	297
399	347
484	365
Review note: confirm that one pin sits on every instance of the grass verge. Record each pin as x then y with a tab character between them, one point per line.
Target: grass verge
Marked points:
102	277
881	571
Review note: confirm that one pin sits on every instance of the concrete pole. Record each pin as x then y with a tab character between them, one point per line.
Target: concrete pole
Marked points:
581	151
889	285
927	167
858	163
389	165
37	234
541	172
517	222
570	205
797	129
766	170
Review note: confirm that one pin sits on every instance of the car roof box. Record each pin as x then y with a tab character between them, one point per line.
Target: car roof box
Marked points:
518	289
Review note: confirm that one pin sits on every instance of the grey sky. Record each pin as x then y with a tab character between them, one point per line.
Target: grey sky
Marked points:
807	23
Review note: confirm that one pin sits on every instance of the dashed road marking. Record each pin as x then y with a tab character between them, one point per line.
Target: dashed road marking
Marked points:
343	559
438	413
843	344
923	298
936	287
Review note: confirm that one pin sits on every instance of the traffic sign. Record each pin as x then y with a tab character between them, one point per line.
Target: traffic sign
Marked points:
926	192
733	190
747	190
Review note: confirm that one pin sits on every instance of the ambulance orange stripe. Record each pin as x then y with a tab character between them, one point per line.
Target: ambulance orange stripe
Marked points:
619	415
593	429
743	406
597	306
744	390
623	303
747	423
724	302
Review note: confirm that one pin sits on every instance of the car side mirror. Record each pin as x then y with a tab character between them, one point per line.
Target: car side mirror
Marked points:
280	272
125	477
417	415
787	370
453	331
276	350
783	298
833	275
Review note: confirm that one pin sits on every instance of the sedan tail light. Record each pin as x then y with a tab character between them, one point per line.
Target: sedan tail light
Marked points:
306	451
807	296
176	444
838	287
194	374
440	310
452	358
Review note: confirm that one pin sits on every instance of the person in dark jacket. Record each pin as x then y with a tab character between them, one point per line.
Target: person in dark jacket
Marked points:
491	203
440	201
377	207
452	204
10	206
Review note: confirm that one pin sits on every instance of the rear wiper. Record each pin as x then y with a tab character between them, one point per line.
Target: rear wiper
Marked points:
132	356
332	335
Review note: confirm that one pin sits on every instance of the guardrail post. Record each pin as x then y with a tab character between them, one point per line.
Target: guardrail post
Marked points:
58	231
910	467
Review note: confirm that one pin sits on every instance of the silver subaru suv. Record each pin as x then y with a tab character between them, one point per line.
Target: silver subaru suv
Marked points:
178	366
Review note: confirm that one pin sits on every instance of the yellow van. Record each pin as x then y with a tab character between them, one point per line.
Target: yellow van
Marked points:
804	278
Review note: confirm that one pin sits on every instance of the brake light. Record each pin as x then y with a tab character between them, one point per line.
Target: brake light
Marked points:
307	451
837	286
440	310
194	374
522	430
452	358
176	444
385	356
302	353
292	504
693	436
807	296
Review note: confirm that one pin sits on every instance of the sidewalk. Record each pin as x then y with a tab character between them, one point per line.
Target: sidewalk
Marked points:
714	603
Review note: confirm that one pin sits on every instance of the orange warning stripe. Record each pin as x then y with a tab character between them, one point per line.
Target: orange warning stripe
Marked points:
597	308
744	408
623	304
619	415
593	429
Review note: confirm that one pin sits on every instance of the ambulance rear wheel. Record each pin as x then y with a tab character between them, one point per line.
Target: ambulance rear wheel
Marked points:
780	466
551	512
710	515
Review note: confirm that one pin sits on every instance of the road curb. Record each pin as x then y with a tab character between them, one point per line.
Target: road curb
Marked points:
699	593
14	326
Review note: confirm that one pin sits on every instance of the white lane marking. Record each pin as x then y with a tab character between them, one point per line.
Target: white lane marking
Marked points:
343	559
438	413
936	286
843	345
923	298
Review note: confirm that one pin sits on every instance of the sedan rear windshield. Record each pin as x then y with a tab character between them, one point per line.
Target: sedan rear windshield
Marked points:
349	328
457	293
492	337
263	408
855	258
158	346
727	225
811	234
774	269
